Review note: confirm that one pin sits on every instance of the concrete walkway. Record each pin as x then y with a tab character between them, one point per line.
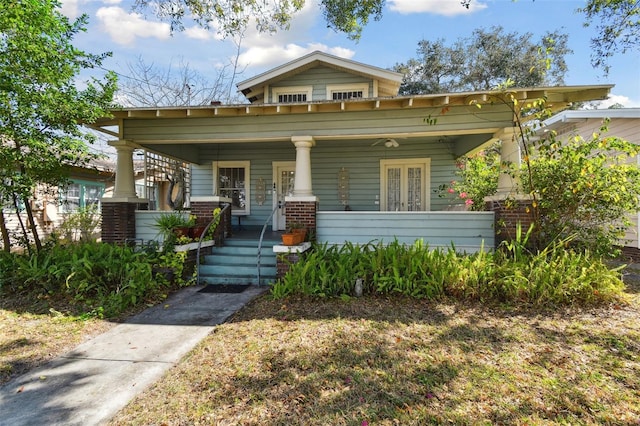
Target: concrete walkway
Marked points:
93	382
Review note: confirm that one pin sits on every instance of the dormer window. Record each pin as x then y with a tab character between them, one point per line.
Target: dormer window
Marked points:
337	96
341	92
291	95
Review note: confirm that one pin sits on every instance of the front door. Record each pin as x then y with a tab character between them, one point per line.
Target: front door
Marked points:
404	184
283	178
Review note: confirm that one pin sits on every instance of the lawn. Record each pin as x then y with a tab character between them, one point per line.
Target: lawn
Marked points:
388	361
375	361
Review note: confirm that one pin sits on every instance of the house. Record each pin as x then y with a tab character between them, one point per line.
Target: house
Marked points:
87	186
623	123
326	142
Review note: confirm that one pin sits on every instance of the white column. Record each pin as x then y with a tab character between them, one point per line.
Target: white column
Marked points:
125	183
508	185
302	184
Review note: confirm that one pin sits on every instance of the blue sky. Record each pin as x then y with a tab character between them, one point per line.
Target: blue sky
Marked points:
114	27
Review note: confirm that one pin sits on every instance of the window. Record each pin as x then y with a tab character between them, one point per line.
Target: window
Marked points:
339	92
286	95
337	96
79	195
232	180
291	98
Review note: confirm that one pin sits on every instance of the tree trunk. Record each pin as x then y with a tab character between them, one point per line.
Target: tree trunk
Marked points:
25	235
32	224
6	241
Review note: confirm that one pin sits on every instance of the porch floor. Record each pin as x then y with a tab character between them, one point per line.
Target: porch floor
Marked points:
249	233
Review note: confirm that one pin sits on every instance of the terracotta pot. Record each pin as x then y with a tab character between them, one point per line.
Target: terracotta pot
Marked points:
300	231
291	239
195	232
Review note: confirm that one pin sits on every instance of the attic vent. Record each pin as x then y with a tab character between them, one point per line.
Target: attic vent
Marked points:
292	97
337	96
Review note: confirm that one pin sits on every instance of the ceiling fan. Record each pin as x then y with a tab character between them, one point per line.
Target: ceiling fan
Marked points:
388	142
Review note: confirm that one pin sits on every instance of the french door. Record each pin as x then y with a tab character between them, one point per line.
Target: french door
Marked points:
284	173
404	184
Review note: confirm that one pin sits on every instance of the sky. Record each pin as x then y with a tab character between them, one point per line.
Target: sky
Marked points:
129	35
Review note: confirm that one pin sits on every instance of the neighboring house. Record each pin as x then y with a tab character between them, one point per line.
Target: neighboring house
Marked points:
327	142
624	123
87	187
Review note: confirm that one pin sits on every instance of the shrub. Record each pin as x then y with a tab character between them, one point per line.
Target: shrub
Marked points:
511	274
96	277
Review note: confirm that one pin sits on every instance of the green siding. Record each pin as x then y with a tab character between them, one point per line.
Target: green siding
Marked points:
330	124
467	231
319	78
327	158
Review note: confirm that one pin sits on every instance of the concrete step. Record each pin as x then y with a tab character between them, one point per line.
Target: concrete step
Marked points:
240	280
233	270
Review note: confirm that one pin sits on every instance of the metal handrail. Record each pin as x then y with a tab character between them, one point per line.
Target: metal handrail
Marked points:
204	233
264	228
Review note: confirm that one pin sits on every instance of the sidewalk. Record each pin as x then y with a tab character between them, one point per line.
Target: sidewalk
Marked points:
88	385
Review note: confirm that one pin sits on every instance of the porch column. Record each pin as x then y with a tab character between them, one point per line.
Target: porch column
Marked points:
510	206
119	210
509	153
125	182
302	185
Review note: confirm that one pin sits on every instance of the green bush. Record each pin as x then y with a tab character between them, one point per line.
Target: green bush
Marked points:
97	277
511	274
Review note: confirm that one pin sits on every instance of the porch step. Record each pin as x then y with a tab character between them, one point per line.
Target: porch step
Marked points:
236	263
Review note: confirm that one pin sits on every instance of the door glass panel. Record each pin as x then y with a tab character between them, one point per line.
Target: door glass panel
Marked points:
231	182
414	189
287	180
393	189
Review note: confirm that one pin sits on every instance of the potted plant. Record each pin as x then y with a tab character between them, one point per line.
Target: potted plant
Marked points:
172	225
296	233
299	229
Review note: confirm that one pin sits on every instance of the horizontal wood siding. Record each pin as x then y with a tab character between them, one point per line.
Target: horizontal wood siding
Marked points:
320	78
359	158
467	231
260	155
330	124
145	225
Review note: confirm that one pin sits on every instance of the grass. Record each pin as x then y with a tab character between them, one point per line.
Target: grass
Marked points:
389	361
376	361
34	331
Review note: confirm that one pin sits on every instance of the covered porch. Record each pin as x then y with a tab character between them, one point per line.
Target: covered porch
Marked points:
361	169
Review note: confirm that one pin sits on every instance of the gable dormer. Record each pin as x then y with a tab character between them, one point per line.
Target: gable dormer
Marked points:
318	77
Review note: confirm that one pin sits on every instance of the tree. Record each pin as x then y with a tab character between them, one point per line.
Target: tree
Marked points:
151	85
40	104
586	189
580	190
618	30
232	16
484	60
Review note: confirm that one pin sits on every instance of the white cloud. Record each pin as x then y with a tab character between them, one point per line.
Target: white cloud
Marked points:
125	27
69	8
262	51
437	7
619	99
199	33
275	55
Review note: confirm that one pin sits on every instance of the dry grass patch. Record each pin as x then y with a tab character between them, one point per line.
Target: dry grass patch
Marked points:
33	332
394	361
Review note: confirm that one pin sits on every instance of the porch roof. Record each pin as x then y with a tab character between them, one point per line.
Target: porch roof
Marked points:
558	98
